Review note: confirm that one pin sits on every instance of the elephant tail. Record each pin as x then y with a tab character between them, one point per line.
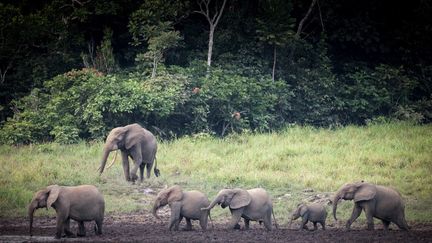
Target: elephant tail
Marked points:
156	170
274	218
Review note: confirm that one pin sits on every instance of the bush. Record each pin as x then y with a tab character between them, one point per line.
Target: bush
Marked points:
315	98
85	104
225	102
369	93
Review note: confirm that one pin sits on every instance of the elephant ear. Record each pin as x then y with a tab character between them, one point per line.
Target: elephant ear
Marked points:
303	210
365	192
54	191
135	134
240	199
175	194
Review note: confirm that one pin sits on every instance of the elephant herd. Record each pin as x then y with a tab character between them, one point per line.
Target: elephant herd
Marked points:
85	202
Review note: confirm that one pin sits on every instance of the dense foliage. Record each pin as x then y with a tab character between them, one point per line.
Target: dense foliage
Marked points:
72	70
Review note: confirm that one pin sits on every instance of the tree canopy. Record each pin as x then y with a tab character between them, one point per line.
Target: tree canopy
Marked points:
74	69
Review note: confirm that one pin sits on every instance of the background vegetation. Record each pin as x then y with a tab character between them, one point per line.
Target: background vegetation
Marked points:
287	164
73	70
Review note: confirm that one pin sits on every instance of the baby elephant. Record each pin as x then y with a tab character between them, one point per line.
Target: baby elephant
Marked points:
183	204
80	203
254	204
315	212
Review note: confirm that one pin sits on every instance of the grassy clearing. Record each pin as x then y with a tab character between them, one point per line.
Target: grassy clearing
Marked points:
284	163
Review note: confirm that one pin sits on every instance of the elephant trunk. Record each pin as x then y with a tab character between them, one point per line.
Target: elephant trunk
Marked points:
156	206
105	155
213	203
336	199
31	209
290	222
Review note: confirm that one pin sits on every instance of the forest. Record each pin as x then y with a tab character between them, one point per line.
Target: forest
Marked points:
71	70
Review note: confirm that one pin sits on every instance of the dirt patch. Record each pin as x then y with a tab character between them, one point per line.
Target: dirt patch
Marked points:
143	227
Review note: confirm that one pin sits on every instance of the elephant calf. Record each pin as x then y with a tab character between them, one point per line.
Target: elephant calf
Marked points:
80	203
315	212
185	204
254	204
377	201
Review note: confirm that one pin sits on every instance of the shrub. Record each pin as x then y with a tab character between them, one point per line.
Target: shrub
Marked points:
368	93
228	102
85	104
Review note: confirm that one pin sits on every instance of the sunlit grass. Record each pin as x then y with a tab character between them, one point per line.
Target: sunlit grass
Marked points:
284	163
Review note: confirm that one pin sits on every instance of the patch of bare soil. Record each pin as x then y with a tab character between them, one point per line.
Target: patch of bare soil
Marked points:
141	227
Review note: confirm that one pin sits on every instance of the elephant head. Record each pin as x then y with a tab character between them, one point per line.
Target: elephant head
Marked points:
359	191
167	196
121	138
233	198
299	212
43	198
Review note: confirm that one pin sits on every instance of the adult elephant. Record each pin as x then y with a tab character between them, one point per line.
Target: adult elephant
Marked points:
136	142
80	203
377	201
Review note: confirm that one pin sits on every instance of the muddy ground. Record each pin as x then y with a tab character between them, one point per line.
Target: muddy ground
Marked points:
140	227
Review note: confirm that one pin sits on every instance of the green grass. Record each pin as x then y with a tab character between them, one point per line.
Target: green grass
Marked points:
284	163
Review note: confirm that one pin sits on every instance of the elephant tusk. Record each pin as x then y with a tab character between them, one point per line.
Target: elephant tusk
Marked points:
112	162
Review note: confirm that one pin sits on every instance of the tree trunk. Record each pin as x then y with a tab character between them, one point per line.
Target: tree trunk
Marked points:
274	62
299	31
213	21
154	67
300	27
210	47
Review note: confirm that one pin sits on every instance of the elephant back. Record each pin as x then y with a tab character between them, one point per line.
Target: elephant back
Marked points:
388	199
192	202
260	196
317	212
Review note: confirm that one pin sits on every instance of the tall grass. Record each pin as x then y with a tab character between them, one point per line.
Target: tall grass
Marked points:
285	163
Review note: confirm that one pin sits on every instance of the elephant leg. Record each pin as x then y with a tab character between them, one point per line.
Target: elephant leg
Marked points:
386	224
322	225
125	163
98	227
137	157
81	229
66	229
267	220
354	215
61	221
315	226
149	165
303	224
141	171
175	216
177	223
369	218
188	224
203	221
247	222
235	218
